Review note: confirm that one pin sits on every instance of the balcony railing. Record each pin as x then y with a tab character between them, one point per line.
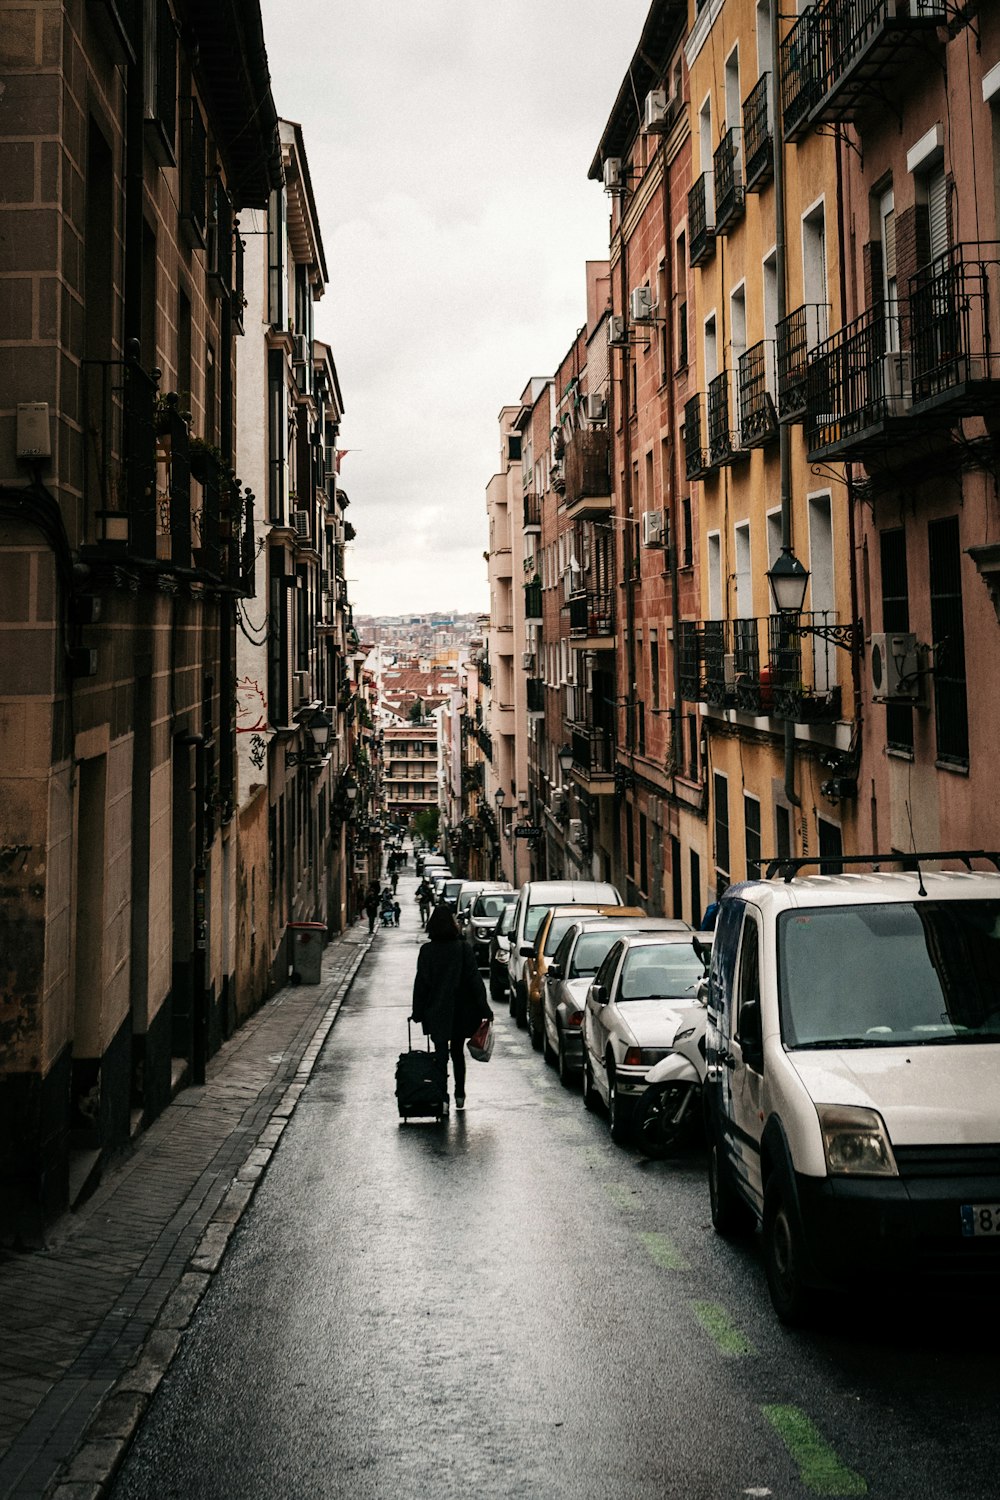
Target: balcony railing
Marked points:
696	460
593	750
536	695
728	169
955	332
757	384
533	600
721	446
591	613
758	135
485	671
532	512
485	743
858	387
769	666
701	219
587	471
801	331
843	57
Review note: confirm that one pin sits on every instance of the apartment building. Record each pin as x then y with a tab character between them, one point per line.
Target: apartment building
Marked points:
656	790
291	646
134	135
903	399
409	769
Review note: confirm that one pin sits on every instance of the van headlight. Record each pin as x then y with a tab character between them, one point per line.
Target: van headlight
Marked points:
856	1142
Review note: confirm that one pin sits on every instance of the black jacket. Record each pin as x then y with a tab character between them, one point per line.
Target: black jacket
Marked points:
449	997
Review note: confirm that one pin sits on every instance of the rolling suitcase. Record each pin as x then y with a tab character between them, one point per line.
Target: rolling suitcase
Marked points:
419	1090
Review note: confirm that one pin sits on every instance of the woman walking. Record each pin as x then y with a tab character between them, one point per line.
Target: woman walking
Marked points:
449	997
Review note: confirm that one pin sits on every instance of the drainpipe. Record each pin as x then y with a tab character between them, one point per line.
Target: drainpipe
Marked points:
784	452
668	292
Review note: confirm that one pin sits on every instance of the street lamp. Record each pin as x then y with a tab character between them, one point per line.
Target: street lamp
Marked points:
788	580
566	759
499	797
319	727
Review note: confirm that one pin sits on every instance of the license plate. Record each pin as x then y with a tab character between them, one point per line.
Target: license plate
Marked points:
980	1218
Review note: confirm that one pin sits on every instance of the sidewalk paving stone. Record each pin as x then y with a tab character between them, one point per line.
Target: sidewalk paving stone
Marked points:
89	1325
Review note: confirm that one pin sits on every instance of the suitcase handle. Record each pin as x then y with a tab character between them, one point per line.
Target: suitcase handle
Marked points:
409	1035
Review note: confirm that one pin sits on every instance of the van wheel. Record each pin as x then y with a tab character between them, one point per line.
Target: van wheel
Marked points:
784	1261
730	1215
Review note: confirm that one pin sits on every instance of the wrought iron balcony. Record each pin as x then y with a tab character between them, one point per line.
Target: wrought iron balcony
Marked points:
533	600
118	455
858	395
955	332
587	472
532	512
593	752
485	671
701	220
696	460
730	202
757	384
591	615
536	695
722	447
758	136
772	666
801	331
485	743
844	57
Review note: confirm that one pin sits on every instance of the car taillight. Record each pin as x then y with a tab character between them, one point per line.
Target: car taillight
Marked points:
575	1018
633	1057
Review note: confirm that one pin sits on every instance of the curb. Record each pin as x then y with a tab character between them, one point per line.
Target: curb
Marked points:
89	1474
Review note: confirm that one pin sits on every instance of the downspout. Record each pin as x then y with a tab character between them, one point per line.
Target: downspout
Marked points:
668	292
784	451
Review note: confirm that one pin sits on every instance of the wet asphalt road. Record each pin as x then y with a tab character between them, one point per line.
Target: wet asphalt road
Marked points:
510	1305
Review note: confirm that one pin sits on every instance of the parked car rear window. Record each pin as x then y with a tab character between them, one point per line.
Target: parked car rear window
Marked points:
890	974
558	928
492	906
661	973
590	952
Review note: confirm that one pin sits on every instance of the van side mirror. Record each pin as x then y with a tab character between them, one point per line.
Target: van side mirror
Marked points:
751	1037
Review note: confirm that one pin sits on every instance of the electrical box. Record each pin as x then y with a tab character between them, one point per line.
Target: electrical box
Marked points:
34	438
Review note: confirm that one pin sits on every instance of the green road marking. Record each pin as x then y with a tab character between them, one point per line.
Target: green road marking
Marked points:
595	1157
663	1252
819	1467
621	1197
716	1323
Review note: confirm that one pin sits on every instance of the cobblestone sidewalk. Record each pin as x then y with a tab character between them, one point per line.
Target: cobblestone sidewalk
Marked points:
89	1326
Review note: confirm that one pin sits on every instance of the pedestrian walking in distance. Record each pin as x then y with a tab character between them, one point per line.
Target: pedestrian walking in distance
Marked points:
371	908
449	997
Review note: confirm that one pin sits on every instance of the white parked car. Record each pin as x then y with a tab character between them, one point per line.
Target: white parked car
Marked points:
534	899
634	1006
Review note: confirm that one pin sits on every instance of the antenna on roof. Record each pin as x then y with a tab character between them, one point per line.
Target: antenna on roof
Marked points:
921	891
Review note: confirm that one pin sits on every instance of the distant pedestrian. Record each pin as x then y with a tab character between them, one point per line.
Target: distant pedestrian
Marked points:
397	912
394	877
371	908
449	997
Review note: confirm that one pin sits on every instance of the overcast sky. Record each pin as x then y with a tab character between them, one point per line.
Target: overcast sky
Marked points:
448	142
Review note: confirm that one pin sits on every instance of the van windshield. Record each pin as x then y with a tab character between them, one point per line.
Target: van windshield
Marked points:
892	974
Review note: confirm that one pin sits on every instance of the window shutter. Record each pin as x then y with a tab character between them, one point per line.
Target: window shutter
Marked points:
937	212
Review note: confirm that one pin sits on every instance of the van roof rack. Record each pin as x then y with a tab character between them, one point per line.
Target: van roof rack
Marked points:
788	866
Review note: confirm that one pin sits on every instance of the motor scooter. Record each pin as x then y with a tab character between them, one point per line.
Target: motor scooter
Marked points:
669	1111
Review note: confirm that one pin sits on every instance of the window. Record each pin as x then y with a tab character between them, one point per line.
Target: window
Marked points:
513	449
714	576
277	275
277	436
751	835
695	866
831	847
159	80
721	789
654	668
194	174
688	554
744	581
783	831
749	985
814	256
896	616
951	717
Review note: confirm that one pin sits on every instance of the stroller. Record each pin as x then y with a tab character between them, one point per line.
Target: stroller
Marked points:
388	916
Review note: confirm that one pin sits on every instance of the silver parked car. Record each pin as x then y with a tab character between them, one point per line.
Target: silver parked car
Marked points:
582	950
634	1006
484	908
500	953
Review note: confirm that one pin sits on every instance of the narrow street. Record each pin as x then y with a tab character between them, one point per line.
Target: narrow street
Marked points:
510	1305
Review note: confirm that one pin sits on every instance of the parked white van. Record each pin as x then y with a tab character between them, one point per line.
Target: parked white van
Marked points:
534	899
853	1088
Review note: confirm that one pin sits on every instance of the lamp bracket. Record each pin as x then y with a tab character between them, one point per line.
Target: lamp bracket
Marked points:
849	635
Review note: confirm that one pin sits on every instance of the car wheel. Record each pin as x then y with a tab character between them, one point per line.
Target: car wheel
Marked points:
730	1215
548	1051
535	1030
567	1075
590	1098
619	1113
511	1000
655	1130
521	1005
784	1260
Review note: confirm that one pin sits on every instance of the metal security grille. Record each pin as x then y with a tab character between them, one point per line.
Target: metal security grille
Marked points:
951	713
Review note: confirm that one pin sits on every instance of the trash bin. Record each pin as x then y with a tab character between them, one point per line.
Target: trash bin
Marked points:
308	939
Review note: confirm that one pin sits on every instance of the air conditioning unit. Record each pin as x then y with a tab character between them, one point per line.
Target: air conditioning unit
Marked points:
657	115
300	521
894	663
557	802
300	349
652	528
595	408
300	688
640	304
575	830
616	332
729	669
614	175
528	660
